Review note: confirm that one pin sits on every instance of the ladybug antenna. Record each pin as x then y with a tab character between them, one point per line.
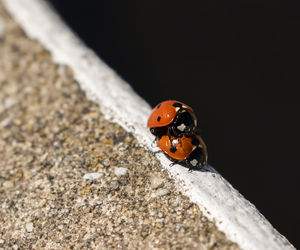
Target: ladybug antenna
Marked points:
153	144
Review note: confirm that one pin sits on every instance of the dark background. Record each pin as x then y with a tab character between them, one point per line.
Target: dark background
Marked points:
235	62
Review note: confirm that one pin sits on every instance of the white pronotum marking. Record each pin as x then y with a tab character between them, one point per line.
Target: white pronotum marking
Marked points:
194	162
181	127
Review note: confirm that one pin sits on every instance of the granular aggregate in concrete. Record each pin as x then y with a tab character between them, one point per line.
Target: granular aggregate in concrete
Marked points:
69	179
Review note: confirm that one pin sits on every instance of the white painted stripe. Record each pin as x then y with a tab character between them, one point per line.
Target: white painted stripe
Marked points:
234	215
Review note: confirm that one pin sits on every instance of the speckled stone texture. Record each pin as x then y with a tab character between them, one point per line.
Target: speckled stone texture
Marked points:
69	179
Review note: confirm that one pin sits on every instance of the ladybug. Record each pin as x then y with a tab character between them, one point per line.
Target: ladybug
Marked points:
189	151
172	117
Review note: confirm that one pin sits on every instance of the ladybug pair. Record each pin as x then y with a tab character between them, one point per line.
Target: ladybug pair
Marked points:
175	126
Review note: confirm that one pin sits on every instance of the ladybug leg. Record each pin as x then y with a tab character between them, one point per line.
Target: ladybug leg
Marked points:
179	139
157	152
153	144
169	135
177	162
172	164
190	169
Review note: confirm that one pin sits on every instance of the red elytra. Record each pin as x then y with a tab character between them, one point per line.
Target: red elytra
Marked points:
164	113
179	150
190	151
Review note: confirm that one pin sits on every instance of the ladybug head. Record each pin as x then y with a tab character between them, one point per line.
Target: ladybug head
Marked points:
158	131
184	123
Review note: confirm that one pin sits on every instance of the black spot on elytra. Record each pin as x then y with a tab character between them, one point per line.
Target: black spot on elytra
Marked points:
158	106
158	118
177	105
173	149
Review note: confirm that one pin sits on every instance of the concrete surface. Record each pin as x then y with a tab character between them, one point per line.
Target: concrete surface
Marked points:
71	179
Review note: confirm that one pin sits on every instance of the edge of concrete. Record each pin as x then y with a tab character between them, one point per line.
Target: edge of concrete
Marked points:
218	200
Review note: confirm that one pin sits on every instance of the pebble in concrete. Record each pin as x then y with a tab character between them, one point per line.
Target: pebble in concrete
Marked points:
160	192
119	171
8	184
92	176
29	227
156	180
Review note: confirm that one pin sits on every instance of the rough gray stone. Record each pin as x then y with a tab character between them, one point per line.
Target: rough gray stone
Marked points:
156	180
